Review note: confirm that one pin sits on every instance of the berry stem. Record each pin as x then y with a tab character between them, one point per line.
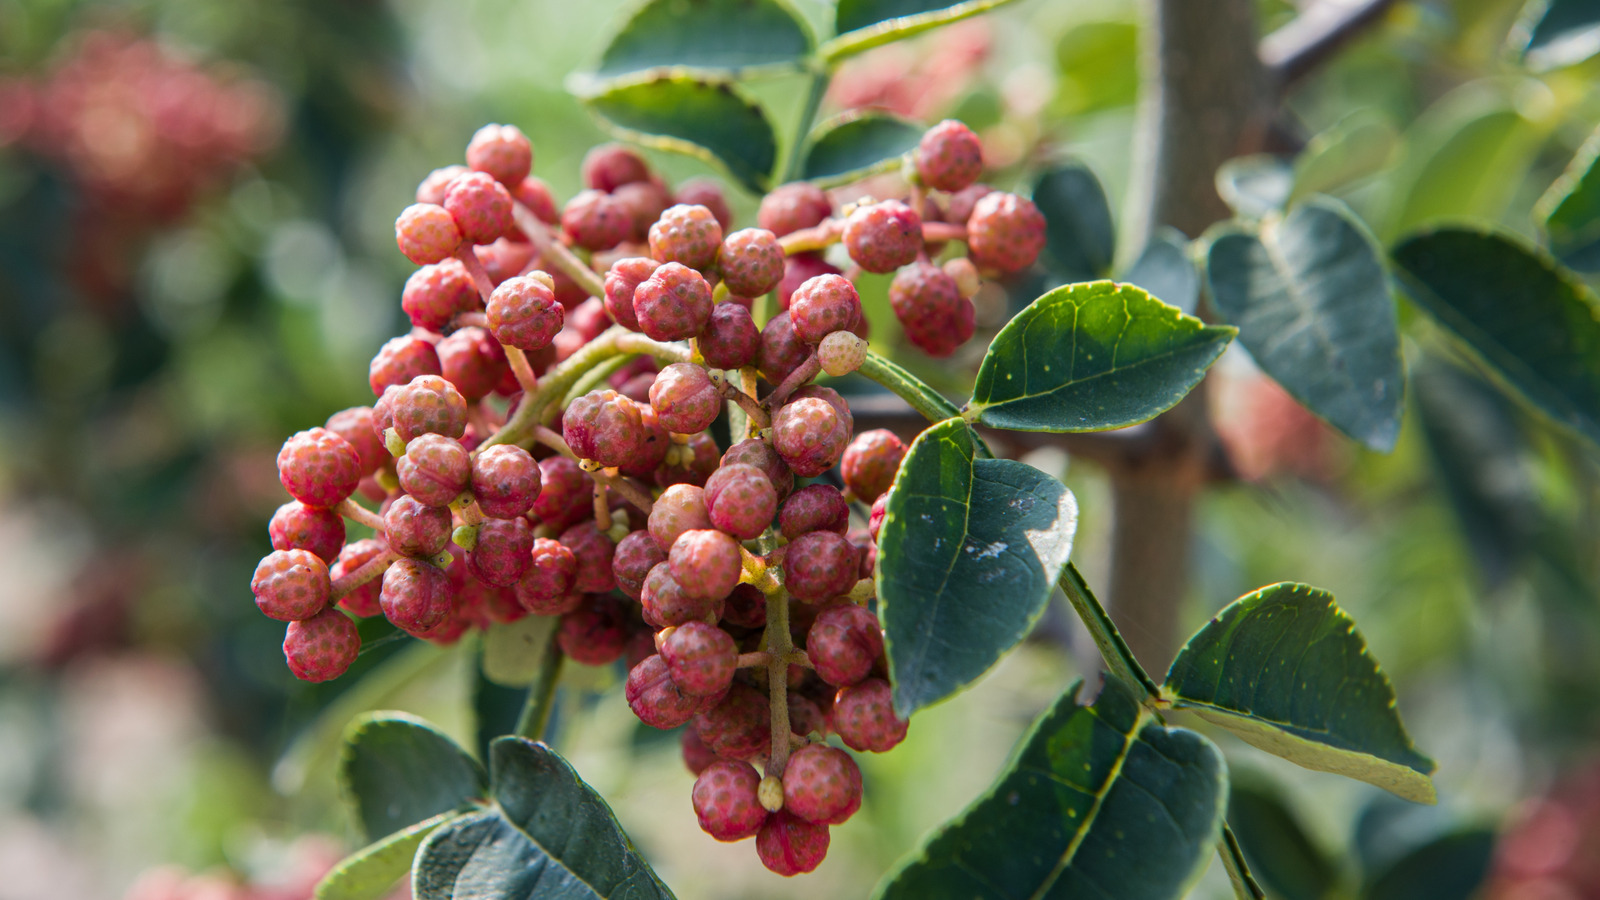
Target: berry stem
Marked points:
474	266
467	319
550	438
755	413
359	514
364	573
556	252
831	231
796	379
909	388
747	385
780	646
521	368
942	232
760	658
635	495
602	501
535	715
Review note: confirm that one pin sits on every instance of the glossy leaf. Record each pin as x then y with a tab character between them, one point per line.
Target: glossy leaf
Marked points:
1563	33
1100	801
398	770
513	651
706	119
1089	357
1536	325
1165	270
1314	308
857	144
968	547
864	24
373	871
1570	210
723	35
1281	855
1285	669
1255	186
1452	867
1080	238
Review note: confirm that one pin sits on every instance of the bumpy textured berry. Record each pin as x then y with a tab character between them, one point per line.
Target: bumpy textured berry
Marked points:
596	220
435	469
868	550
523	313
880	506
689	235
656	698
426	233
707	193
730	339
610	166
472	361
644	202
789	845
964	274
434	294
322	647
400	360
483	606
503	151
429	405
725	800
319	468
503	551
759	453
533	193
929	305
673	304
819	565
809	435
1005	233
296	526
822	784
415	529
833	398
751	261
566	493
481	207
739	726
949	156
546	588
665	603
701	658
635	556
741	500
863	717
823	305
685	400
290	585
959	205
745	607
593	551
363	601
882	237
870	463
781	351
596	633
654	445
603	426
623	278
416	595
843	643
505	481
791	207
705	563
797	270
433	187
806	717
680	508
697	757
815	507
355	425
841	353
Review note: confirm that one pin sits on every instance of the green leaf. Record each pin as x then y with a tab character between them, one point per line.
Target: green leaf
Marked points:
1570	211
1285	669
1314	308
1090	357
513	652
1080	239
1450	868
1279	851
1357	146
372	871
719	35
1255	186
1535	324
398	770
864	24
710	120
968	547
857	144
1097	67
1165	270
1101	801
1245	886
1563	33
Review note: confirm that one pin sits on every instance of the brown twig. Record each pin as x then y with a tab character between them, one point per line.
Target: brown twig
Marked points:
1311	38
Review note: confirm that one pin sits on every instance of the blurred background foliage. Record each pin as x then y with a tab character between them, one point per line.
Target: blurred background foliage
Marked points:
196	259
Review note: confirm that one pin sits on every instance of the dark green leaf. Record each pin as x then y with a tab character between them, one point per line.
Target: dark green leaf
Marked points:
1100	801
397	770
968	547
857	144
1089	357
1313	306
1255	186
1080	238
864	24
1285	859
495	709
724	35
1450	868
1165	271
372	871
705	119
1570	210
1530	320
1285	669
1564	33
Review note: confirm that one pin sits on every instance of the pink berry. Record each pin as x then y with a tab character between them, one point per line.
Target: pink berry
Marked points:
416	595
635	556
1005	233
435	469
863	717
843	643
726	802
958	206
880	506
746	607
322	647
822	784
665	603
929	305
414	529
656	698
533	193
882	237
806	717
603	426
593	551
792	207
319	468
707	193
433	187
871	462
434	294
680	508
503	551
505	481
751	261
689	235
759	453
566	493
949	156
815	507
503	151
426	233
673	304
546	588
684	398
290	585
596	220
296	526
429	405
481	207
789	845
523	313
644	202
363	601
355	425
706	563
809	435
596	633
701	658
841	353
819	565
622	280
730	339
739	726
610	166
400	360
799	269
472	361
782	351
741	500
823	305
697	757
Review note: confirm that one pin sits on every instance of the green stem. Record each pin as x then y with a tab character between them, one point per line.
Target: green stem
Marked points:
1106	636
808	117
908	387
780	646
541	693
1244	884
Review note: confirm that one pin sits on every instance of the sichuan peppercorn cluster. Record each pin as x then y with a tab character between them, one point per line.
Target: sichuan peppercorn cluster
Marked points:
540	445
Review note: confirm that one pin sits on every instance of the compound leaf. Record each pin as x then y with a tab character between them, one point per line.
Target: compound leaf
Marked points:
1090	357
710	120
1565	32
1534	323
1101	801
1314	308
864	24
1285	669
1079	236
857	144
1570	210
968	547
721	35
398	770
372	871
